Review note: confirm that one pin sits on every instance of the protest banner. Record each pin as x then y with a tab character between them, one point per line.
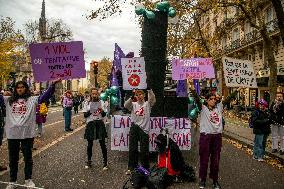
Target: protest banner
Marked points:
63	60
194	68
179	131
133	73
239	73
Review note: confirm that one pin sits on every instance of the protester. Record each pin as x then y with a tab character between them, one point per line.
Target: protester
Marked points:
140	127
261	129
76	103
95	129
67	104
20	128
41	114
2	123
277	127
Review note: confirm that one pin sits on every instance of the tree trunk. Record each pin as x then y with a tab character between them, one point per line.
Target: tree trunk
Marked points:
269	56
280	16
154	50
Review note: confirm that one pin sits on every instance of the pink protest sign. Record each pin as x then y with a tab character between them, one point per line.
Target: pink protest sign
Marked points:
63	60
194	68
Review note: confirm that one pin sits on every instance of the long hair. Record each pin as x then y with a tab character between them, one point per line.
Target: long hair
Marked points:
15	96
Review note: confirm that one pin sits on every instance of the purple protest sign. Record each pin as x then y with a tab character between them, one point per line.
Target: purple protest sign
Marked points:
194	68
63	60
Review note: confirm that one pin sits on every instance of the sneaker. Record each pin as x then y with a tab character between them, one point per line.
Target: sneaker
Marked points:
274	151
105	168
88	165
128	172
216	185
29	183
11	185
260	159
255	158
281	152
202	184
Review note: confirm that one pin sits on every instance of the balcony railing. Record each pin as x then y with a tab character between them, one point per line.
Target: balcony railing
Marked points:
250	37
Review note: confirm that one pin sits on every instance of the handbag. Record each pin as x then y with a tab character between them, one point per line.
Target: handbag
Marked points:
157	178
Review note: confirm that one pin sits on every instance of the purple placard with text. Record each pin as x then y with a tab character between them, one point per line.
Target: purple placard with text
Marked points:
194	68
63	60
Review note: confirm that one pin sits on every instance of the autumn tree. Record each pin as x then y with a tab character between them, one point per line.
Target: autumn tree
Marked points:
11	41
104	68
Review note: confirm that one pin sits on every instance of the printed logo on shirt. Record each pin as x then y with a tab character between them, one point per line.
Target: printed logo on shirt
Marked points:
214	118
140	112
97	112
19	108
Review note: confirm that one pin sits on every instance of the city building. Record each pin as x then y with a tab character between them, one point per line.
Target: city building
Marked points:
242	41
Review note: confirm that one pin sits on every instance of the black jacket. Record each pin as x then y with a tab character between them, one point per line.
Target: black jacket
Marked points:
261	122
278	116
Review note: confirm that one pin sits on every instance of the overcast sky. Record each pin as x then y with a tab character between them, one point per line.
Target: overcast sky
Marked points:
98	36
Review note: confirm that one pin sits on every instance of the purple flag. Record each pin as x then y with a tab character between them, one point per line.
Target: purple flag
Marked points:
118	54
114	81
181	88
196	86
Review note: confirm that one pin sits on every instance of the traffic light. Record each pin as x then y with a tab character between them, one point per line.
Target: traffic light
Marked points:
95	66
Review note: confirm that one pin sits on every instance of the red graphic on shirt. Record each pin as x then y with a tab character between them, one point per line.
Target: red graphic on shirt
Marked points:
214	118
97	112
134	80
19	108
140	112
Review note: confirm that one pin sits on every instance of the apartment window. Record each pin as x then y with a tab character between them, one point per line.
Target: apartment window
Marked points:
249	57
269	14
224	42
248	27
236	34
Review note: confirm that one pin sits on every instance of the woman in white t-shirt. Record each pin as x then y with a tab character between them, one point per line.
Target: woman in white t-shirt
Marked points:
140	127
20	127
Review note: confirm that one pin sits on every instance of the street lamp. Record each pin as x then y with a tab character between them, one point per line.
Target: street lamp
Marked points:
52	37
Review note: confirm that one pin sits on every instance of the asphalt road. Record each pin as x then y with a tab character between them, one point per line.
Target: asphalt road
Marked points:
61	165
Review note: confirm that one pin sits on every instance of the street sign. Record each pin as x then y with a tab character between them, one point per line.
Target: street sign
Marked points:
63	60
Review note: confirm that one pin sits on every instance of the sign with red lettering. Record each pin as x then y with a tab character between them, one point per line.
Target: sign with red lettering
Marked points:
193	68
179	131
133	73
239	73
63	60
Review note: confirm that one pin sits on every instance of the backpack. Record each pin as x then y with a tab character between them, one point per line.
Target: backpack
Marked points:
43	109
250	120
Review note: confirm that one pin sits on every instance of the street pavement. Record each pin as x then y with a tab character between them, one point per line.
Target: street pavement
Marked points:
59	163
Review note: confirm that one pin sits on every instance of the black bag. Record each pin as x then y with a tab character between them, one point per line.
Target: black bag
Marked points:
188	174
138	179
158	178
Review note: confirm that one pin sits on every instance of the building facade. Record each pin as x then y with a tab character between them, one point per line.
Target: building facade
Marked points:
242	41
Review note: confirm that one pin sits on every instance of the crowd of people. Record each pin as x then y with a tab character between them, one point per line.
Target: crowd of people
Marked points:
24	113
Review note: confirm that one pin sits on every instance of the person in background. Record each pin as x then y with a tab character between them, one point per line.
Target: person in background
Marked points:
20	128
2	123
277	126
95	129
76	103
261	128
67	104
140	127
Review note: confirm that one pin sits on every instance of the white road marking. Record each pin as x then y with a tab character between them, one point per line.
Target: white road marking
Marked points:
20	185
36	152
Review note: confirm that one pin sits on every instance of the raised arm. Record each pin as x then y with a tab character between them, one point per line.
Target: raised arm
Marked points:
49	92
151	97
128	104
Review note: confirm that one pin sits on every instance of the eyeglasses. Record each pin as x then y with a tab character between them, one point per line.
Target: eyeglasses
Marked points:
212	99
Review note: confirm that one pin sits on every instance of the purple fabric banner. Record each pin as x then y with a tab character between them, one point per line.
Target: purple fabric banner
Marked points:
194	68
196	86
114	81
181	88
118	54
63	60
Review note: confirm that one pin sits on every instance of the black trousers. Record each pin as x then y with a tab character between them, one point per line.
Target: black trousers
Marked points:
103	148
136	135
14	149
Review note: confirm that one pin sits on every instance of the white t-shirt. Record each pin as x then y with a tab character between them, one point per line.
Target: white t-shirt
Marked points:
211	121
140	115
21	118
95	110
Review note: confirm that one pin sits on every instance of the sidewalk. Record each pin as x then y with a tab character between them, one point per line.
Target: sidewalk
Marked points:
239	131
